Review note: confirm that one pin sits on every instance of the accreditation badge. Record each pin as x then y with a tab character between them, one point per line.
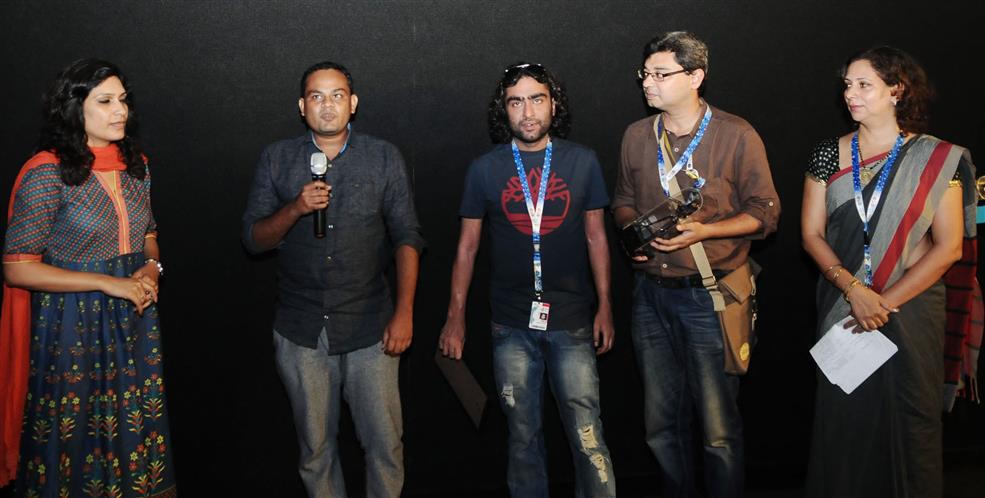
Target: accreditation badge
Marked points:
539	313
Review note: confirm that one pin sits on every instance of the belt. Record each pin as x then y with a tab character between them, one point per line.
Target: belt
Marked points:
682	282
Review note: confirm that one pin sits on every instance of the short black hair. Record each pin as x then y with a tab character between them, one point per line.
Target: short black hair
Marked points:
499	125
326	65
689	51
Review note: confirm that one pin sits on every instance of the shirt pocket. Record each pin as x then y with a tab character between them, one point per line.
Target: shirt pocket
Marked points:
361	198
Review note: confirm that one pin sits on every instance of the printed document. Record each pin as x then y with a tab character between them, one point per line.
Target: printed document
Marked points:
848	359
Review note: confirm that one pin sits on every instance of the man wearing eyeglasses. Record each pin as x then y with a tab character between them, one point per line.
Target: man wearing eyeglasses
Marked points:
543	198
337	206
675	328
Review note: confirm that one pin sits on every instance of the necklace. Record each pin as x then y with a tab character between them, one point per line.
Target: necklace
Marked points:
868	171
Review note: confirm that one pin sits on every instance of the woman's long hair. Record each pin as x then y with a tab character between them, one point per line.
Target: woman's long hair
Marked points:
63	131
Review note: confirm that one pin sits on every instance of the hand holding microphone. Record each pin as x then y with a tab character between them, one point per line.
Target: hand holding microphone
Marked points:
315	195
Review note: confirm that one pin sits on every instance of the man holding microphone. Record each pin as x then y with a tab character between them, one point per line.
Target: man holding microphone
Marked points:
333	202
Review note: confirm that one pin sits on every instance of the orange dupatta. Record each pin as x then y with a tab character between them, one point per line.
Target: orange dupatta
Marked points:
15	334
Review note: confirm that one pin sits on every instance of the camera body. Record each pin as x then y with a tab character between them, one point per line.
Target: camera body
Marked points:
659	222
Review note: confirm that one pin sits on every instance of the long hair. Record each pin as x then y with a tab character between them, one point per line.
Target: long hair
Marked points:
63	131
499	123
896	67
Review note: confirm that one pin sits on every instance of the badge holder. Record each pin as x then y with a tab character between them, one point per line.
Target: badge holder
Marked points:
539	314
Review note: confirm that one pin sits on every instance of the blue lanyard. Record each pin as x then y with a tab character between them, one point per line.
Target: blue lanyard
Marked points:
685	158
536	213
866	212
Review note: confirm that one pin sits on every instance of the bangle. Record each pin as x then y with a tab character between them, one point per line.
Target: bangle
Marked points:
834	278
832	267
849	287
160	267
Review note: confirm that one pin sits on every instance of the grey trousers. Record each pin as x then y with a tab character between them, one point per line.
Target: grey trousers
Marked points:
315	380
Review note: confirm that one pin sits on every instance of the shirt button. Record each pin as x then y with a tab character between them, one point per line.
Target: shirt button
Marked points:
663	265
329	259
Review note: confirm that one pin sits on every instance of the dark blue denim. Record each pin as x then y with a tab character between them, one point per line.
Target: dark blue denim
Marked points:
678	342
520	359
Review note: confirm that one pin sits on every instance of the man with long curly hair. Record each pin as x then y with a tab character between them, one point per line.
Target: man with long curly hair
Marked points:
544	199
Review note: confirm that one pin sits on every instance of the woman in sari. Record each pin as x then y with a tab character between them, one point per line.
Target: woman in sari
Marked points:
885	209
82	356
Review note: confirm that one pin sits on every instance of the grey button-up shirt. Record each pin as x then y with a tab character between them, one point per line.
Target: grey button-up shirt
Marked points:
336	282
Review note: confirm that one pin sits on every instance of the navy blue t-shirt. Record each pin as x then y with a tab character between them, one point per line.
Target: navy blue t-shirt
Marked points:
493	192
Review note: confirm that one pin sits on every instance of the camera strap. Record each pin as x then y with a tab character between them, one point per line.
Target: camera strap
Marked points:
698	252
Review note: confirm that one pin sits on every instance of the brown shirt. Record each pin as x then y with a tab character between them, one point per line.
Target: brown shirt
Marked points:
731	158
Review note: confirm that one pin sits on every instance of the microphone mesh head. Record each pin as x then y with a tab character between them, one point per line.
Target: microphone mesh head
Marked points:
319	163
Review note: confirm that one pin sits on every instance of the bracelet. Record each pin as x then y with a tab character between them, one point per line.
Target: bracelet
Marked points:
834	278
848	288
160	267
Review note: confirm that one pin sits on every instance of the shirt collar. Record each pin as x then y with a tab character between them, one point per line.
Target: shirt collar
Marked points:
697	124
345	146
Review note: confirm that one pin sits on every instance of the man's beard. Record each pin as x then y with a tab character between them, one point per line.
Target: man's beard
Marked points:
535	137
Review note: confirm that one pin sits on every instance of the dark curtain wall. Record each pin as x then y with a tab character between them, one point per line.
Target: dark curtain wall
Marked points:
217	81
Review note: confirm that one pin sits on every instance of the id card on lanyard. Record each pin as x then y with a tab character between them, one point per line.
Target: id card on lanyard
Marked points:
539	310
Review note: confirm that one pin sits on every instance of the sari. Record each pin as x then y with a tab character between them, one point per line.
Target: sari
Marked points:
884	439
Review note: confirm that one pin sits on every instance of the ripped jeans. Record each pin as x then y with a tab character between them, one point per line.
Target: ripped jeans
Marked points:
520	359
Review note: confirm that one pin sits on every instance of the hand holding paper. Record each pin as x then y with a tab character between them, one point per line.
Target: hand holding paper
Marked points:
847	359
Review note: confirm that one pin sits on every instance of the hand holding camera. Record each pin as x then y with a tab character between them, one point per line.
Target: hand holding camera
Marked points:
659	222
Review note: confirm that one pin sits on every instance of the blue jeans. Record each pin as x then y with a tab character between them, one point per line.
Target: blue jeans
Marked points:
315	380
520	359
678	342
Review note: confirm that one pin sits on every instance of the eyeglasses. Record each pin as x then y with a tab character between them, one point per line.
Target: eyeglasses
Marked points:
643	74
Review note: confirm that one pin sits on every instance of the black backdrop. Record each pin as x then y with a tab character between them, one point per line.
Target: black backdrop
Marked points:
217	81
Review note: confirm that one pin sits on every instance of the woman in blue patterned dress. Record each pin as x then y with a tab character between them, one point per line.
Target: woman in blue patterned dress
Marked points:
84	346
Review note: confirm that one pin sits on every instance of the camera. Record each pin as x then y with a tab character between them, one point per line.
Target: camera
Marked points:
660	221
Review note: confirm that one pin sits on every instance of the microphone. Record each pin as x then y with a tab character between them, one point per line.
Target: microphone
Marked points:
319	166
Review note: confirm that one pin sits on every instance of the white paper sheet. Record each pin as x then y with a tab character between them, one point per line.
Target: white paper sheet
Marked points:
848	359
